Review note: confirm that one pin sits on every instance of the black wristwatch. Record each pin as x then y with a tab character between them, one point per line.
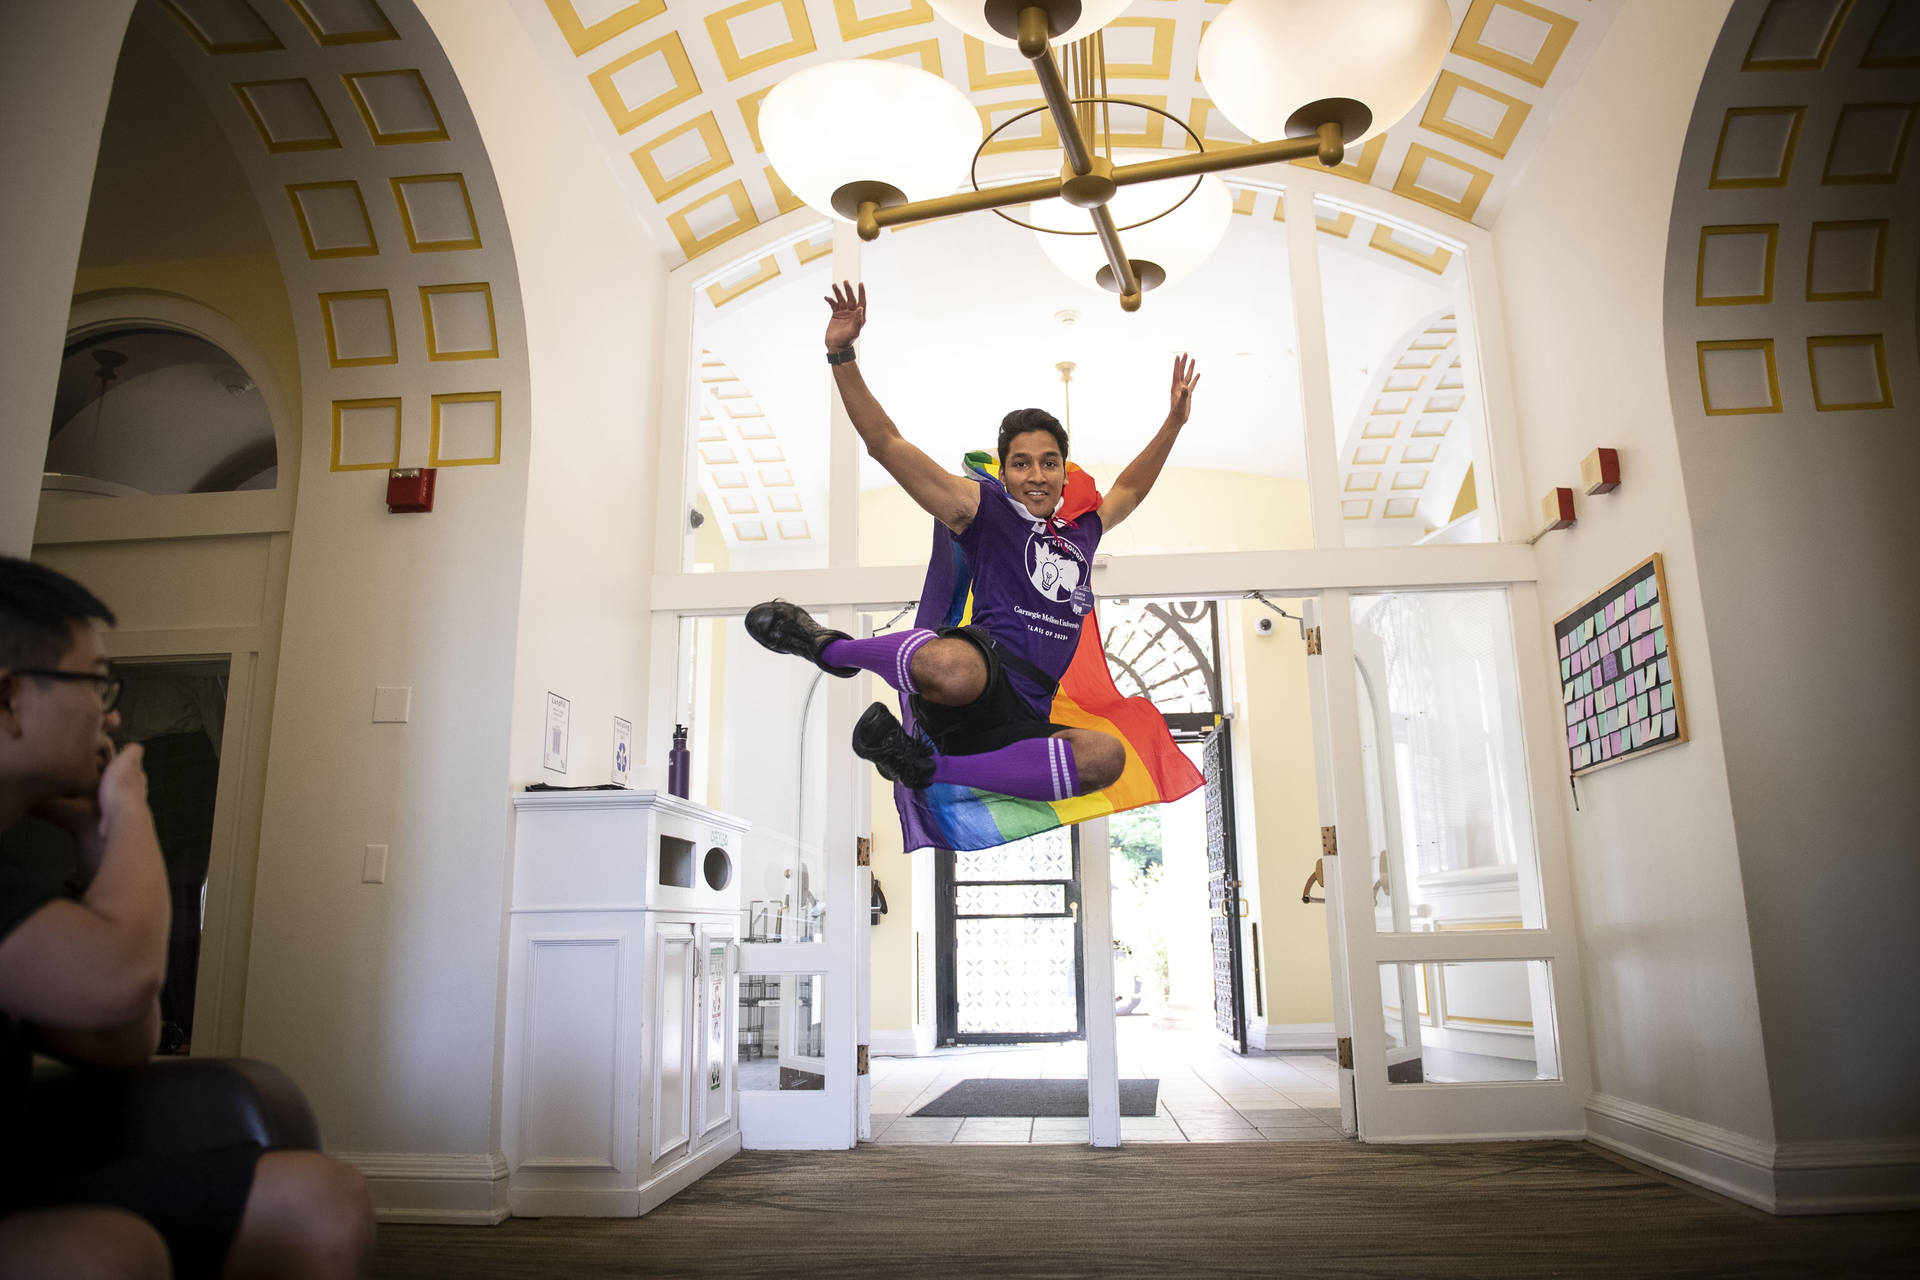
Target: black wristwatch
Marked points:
842	356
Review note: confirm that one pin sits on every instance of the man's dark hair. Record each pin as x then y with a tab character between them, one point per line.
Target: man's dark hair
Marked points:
38	608
1024	420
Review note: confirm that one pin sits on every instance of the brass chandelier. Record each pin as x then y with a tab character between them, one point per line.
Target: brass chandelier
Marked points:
1304	78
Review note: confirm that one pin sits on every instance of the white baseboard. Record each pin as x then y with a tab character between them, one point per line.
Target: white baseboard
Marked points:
1862	1175
1274	1036
622	1202
438	1188
1721	1160
901	1042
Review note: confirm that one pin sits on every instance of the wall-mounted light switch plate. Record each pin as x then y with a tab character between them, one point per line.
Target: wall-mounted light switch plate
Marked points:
373	865
392	704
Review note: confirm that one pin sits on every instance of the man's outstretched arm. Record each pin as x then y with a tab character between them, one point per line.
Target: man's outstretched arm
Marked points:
1138	478
950	499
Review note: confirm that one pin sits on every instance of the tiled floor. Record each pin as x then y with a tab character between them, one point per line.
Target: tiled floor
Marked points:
1207	1094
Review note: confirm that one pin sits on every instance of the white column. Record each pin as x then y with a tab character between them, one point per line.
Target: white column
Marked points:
1103	1049
56	74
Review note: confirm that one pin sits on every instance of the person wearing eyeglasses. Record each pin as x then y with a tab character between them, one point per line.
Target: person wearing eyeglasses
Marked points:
80	976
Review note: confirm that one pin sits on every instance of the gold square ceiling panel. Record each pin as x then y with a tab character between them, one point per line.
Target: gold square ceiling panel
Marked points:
758	33
1521	39
857	18
588	24
637	86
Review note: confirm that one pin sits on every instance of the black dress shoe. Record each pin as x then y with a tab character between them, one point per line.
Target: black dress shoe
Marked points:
879	739
787	628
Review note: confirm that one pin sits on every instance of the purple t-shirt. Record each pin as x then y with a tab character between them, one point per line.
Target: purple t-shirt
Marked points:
1032	585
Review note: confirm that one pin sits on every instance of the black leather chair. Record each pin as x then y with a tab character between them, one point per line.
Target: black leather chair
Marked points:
168	1105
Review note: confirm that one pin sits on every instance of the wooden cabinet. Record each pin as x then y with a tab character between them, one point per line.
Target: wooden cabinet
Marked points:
620	1062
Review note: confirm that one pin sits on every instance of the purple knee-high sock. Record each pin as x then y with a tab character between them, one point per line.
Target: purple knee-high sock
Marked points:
889	657
1037	769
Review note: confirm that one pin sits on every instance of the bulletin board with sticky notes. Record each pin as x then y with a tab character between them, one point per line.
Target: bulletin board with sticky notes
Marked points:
1619	678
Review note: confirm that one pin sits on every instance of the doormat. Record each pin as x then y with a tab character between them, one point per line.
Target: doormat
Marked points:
1036	1098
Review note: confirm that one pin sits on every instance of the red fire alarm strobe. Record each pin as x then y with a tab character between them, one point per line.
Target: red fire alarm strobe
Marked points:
410	490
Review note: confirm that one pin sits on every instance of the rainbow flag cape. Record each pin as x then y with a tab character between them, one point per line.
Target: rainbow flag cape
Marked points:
947	816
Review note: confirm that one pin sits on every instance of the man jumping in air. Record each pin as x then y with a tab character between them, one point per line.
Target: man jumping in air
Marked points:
981	692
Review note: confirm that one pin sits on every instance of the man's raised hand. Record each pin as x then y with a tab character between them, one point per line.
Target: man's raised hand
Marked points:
1180	396
849	315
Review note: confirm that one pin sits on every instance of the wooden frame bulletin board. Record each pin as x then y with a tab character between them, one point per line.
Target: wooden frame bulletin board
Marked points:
1619	677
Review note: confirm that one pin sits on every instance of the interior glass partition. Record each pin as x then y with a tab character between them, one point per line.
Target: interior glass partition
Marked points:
758	414
1469	1022
1449	816
1408	407
969	320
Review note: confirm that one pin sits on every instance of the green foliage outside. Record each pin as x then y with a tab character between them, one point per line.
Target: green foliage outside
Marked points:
1135	835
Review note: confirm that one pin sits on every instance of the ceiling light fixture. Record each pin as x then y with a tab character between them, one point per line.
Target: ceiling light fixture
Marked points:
1304	78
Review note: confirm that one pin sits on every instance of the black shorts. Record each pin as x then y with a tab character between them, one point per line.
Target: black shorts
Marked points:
193	1199
999	717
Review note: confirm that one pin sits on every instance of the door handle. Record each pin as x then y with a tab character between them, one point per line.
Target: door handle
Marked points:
1319	877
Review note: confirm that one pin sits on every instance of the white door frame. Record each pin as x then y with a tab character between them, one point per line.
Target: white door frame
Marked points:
1329	570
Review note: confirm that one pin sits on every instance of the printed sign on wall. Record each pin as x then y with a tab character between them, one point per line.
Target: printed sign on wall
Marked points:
554	747
1619	686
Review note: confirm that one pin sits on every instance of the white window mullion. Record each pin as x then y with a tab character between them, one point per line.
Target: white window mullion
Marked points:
843	443
1499	465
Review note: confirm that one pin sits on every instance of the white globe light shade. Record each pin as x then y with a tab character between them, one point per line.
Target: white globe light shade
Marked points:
1177	243
1262	60
971	17
864	120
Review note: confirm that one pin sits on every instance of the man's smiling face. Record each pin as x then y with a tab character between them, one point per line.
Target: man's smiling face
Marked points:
1034	472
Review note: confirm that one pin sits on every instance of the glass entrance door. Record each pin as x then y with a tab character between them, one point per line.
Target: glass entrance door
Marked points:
1010	943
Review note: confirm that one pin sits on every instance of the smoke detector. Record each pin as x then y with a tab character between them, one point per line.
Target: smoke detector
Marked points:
234	382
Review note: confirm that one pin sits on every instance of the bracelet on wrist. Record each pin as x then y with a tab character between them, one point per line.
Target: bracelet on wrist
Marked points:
841	355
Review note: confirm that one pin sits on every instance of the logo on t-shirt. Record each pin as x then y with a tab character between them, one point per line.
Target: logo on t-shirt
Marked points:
1055	566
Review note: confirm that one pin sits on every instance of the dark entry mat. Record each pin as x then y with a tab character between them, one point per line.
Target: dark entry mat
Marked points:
1036	1098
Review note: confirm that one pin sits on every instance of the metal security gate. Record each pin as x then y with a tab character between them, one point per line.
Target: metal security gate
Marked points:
1011	955
1223	890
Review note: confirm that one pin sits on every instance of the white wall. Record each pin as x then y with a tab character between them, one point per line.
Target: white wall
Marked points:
595	296
56	71
1810	580
1581	249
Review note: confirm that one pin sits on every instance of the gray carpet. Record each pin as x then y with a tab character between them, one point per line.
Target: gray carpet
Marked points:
1507	1211
1036	1098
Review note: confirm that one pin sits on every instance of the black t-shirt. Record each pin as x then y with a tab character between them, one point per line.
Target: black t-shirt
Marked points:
36	859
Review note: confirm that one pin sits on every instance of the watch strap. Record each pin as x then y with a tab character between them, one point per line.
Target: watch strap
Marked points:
841	356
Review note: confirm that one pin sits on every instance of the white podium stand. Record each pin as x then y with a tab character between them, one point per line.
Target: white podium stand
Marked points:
619	1077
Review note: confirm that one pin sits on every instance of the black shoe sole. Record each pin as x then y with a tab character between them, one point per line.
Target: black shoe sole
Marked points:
787	628
880	740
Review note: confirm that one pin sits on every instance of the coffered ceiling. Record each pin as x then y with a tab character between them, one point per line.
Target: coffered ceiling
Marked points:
673	93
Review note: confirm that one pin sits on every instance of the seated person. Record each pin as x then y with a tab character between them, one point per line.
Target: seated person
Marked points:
80	981
981	693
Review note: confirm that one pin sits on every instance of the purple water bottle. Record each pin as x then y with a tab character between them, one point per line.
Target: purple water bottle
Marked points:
679	763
